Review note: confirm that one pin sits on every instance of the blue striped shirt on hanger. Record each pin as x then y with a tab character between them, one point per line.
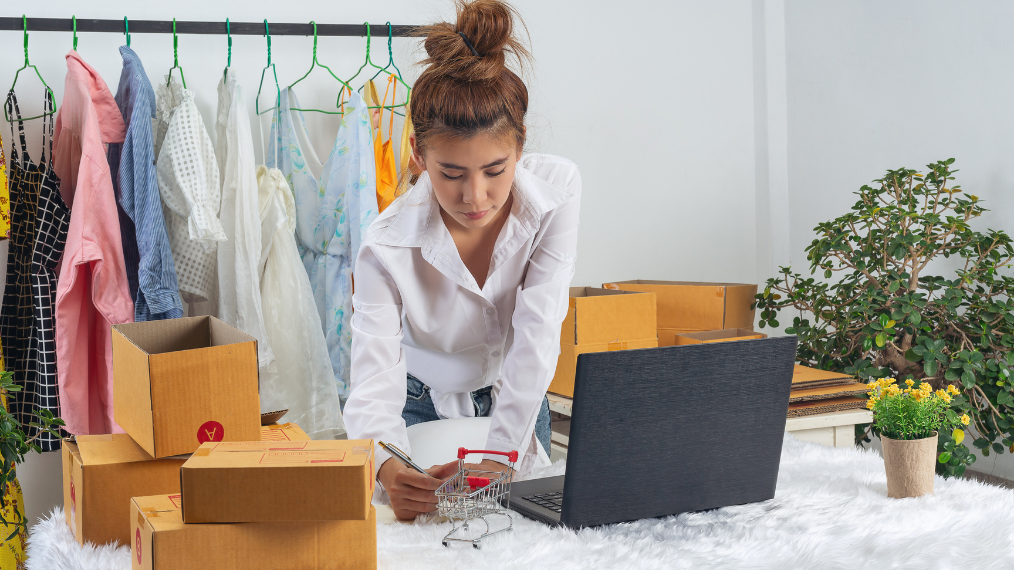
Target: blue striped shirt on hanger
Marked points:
150	271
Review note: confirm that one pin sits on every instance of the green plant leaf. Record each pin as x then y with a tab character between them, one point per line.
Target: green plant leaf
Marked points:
944	457
881	339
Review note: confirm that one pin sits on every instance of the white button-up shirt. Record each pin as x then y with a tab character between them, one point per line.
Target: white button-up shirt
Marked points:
418	310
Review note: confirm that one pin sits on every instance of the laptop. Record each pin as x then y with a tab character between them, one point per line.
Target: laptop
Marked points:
662	431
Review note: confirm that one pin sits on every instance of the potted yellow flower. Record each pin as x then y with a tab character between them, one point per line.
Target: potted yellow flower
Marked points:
908	420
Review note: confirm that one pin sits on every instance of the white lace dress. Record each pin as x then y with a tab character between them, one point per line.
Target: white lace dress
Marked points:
188	180
300	377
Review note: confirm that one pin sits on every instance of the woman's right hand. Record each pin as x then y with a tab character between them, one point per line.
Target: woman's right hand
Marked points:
411	492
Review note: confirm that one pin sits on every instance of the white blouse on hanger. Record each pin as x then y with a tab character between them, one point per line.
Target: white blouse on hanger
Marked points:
300	378
188	180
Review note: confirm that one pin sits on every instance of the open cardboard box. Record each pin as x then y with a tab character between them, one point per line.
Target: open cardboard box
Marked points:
102	472
178	383
162	542
705	337
688	306
599	320
233	482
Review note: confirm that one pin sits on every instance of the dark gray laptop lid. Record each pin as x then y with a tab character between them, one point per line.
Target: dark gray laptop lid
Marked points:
669	430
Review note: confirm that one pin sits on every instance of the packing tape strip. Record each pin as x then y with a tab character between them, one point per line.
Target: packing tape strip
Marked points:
617	345
280	426
203	452
140	519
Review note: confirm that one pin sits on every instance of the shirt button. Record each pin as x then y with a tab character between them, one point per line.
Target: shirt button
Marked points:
490	311
496	353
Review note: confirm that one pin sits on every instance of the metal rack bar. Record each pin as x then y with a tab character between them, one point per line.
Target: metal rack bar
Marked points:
185	27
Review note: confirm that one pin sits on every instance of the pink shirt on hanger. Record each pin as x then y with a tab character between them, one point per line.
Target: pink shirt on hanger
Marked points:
92	293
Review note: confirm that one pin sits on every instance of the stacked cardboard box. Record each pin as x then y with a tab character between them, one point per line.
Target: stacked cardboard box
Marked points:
303	504
187	390
599	320
819	391
101	473
689	307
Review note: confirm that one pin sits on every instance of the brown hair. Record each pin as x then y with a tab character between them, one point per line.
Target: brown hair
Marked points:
468	90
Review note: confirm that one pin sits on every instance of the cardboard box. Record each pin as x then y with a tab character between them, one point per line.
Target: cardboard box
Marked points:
100	475
178	383
566	366
599	320
686	306
598	316
278	481
162	542
726	335
102	472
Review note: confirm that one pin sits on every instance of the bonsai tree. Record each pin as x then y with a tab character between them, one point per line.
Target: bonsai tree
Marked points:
871	307
14	445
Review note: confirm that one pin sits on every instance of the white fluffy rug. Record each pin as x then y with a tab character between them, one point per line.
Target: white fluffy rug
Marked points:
830	511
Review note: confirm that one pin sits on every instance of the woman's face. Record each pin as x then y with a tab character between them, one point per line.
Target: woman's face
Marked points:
471	178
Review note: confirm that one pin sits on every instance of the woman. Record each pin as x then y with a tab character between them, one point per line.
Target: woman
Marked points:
462	283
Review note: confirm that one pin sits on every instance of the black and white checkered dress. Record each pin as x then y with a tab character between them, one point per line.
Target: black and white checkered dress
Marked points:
39	221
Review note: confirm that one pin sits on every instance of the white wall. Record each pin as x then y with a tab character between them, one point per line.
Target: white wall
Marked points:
878	85
660	120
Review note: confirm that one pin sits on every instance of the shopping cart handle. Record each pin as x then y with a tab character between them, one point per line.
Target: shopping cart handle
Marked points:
512	456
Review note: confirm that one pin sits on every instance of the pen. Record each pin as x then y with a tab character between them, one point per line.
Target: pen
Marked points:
400	456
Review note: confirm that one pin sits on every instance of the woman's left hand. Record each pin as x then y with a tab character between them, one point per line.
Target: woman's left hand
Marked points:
489	465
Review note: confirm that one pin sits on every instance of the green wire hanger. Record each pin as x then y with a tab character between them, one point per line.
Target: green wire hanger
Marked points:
126	30
49	92
380	70
73	20
369	38
390	62
176	60
274	72
340	104
228	62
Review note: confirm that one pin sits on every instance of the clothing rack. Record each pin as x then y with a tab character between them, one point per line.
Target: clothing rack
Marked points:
185	27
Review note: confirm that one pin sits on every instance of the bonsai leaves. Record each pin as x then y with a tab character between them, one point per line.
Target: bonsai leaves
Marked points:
930	352
869	307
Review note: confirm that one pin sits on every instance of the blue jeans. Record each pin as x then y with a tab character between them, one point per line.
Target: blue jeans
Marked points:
419	408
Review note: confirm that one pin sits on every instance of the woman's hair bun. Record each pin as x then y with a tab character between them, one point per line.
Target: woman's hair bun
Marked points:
489	25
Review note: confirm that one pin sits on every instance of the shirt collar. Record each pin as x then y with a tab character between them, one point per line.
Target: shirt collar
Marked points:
111	127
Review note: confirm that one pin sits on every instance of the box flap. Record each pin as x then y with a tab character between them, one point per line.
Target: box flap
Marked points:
110	448
802	374
716	336
283	432
176	335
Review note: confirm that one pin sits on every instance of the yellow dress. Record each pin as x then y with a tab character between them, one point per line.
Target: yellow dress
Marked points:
12	552
5	201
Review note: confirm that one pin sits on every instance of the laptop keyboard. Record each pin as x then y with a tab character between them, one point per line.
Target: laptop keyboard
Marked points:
552	501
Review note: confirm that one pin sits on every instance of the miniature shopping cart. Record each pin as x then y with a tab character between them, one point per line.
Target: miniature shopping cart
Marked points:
472	495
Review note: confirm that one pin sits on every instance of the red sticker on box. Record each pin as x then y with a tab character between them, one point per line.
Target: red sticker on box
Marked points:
210	431
137	543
